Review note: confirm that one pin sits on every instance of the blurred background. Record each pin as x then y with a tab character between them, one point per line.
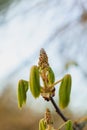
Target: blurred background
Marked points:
26	26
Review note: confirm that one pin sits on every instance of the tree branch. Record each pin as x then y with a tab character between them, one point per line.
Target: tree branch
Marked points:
58	110
60	113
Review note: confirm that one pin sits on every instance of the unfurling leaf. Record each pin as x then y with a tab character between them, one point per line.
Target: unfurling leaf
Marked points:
22	89
34	81
69	125
64	91
42	125
51	76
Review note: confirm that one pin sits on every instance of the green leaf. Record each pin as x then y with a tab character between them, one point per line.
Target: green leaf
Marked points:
42	125
26	84
64	91
69	125
34	81
22	89
51	76
66	125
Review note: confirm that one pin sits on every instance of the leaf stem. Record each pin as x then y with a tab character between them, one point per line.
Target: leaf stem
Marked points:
55	83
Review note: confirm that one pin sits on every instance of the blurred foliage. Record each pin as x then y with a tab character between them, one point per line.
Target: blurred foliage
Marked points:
84	17
70	63
5	5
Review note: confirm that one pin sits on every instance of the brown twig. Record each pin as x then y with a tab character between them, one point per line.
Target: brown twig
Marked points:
61	114
58	110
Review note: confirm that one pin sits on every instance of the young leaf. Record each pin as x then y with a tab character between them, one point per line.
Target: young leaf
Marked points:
22	89
34	81
64	91
51	76
42	125
69	125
